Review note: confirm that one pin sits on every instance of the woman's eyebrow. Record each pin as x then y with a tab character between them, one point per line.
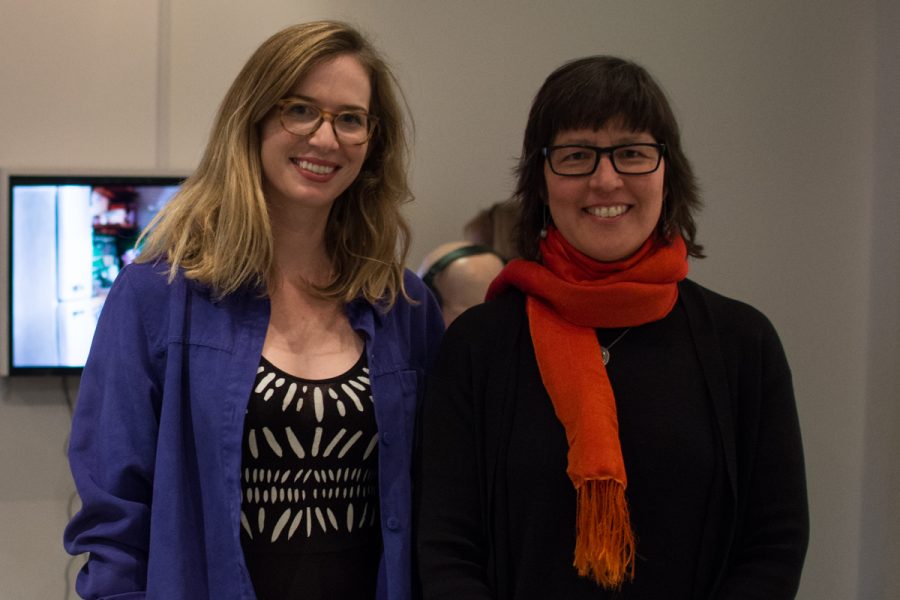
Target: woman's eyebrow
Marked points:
342	107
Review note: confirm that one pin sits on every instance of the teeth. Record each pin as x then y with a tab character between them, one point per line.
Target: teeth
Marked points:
607	211
318	169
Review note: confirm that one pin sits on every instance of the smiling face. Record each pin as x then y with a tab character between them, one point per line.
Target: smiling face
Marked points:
311	171
606	215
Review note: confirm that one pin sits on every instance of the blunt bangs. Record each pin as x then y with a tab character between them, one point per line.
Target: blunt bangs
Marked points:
588	95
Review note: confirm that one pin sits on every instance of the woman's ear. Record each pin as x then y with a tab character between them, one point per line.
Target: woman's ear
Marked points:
665	217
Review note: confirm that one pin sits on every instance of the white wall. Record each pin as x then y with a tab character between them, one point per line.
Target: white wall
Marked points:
879	576
787	109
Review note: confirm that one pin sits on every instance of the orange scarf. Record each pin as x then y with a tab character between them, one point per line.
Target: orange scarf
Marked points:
568	297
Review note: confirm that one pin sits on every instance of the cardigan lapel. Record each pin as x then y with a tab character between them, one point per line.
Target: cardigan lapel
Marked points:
719	530
710	354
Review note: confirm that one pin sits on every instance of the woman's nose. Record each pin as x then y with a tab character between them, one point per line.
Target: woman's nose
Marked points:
324	136
605	177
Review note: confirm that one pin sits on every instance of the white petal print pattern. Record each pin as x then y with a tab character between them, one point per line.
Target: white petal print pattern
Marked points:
356	401
273	443
309	472
295	444
318	403
289	396
251	440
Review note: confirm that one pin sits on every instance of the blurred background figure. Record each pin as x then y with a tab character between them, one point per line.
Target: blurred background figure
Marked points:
459	274
494	228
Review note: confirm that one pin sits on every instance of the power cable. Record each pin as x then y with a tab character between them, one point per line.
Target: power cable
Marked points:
70	505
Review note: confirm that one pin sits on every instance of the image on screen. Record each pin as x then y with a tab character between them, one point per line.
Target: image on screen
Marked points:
69	238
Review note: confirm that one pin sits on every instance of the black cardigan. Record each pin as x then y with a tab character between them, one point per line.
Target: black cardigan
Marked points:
757	529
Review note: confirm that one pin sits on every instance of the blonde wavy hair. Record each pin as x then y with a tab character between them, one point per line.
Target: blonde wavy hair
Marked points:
217	229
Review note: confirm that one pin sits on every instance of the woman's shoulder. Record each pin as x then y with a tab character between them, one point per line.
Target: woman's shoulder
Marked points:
148	277
719	304
732	319
171	305
139	287
415	310
414	286
496	319
155	289
157	279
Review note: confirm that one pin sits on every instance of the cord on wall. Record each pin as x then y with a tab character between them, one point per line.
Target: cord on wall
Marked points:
68	574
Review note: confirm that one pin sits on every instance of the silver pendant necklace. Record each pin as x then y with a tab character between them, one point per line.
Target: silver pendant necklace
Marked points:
604	350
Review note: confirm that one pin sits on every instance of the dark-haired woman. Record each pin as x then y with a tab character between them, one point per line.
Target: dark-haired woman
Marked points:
603	427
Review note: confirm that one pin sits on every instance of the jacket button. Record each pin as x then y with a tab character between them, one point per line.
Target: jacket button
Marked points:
386	438
392	523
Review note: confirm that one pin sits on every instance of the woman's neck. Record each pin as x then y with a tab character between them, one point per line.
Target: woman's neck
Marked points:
299	246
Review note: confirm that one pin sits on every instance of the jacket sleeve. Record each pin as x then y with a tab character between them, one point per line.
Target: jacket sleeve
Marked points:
452	545
773	522
112	449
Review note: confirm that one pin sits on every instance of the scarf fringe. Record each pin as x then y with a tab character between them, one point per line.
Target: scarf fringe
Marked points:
604	544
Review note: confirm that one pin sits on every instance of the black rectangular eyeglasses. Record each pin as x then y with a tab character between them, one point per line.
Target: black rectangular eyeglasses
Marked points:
576	160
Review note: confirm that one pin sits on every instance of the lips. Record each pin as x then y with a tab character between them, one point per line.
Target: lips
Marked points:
607	212
314	167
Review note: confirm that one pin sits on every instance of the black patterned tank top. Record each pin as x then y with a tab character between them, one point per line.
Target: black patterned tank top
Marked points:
309	476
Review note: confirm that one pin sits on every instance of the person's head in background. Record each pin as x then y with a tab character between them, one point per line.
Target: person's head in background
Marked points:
494	228
603	101
220	226
459	274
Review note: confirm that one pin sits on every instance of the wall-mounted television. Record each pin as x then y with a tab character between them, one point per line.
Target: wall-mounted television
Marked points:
69	236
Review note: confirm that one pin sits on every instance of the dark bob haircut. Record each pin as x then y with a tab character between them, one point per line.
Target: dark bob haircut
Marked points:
588	93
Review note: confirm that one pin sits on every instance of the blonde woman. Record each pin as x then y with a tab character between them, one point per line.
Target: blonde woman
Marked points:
245	418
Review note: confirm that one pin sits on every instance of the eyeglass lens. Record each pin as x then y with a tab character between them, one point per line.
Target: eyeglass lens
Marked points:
303	118
636	159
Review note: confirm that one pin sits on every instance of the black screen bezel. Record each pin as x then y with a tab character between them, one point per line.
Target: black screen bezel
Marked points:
14	180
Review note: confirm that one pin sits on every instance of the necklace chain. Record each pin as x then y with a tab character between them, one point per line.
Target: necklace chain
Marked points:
604	350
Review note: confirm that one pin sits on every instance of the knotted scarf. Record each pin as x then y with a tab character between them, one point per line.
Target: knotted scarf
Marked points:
569	295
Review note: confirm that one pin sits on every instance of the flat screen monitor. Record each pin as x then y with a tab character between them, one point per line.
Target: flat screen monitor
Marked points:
69	236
